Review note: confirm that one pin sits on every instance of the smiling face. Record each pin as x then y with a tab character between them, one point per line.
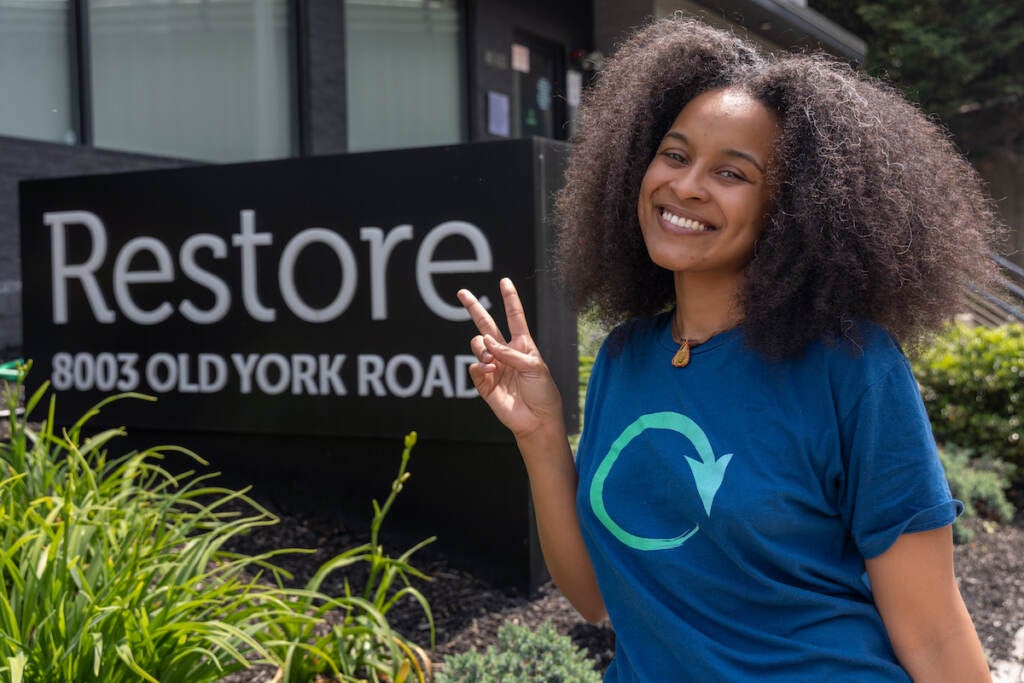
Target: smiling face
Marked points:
705	196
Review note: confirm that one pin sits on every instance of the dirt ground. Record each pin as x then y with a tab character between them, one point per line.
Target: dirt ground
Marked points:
468	611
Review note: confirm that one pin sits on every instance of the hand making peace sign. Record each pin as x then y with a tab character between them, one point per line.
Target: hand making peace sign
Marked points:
510	375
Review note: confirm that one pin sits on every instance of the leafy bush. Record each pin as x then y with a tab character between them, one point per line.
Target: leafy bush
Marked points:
981	484
113	569
972	381
523	656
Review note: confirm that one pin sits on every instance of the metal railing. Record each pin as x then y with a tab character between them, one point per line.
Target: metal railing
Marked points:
993	307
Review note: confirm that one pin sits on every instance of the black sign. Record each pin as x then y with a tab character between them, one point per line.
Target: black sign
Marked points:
307	296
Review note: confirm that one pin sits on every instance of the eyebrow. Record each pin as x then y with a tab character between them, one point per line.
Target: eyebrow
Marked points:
731	152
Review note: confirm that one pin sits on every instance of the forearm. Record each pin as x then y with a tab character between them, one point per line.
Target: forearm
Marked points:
924	614
948	653
553	481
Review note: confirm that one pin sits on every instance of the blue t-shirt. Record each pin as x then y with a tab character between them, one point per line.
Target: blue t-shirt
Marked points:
728	506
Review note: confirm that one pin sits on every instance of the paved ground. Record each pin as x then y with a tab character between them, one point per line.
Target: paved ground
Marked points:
1011	671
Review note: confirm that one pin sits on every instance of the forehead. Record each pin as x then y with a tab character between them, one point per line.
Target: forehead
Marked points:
730	117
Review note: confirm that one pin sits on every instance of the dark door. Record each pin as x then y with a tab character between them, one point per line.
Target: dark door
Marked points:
539	97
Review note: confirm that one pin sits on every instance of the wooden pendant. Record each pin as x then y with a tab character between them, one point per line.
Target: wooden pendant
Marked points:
682	357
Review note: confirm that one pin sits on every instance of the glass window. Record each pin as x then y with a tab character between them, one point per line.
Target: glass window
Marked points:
200	79
35	70
402	73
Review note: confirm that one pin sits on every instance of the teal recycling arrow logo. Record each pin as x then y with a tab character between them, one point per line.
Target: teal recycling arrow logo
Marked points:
708	473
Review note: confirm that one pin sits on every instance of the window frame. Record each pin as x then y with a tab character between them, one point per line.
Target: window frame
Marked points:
465	74
80	70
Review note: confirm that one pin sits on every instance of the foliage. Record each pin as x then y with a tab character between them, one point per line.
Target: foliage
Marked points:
589	336
586	365
523	656
980	483
972	381
363	642
113	569
948	56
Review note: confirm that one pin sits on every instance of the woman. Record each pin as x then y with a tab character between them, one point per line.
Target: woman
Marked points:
756	495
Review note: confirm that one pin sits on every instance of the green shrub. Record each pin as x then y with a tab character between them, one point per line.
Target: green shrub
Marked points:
523	656
980	483
972	381
113	570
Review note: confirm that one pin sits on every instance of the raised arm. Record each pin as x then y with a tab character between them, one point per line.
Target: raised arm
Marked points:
513	379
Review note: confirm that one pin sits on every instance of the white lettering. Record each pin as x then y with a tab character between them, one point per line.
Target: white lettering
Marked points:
129	380
403	375
221	293
213	373
106	371
185	385
247	240
437	378
370	369
463	382
286	275
124	277
380	252
263	373
129	271
83	371
426	267
303	374
330	374
245	366
61	271
60	374
161	372
391	375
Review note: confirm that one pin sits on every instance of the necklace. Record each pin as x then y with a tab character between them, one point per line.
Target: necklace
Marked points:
682	357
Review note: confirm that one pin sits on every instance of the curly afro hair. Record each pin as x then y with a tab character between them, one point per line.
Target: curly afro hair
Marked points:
875	214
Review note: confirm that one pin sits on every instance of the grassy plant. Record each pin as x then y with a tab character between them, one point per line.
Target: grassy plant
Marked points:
361	643
523	656
113	569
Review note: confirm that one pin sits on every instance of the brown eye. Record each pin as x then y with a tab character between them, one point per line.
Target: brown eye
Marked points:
732	175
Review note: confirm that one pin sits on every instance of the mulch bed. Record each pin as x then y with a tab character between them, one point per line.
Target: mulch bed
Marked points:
468	611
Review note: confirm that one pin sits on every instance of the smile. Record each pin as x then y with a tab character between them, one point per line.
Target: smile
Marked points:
684	223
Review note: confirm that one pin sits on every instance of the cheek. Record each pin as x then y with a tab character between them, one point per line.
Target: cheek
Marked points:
756	209
643	199
649	180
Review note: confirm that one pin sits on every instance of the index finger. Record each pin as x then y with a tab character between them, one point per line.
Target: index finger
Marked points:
514	313
481	318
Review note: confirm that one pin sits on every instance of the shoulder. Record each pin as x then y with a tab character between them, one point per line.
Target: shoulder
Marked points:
865	348
877	349
866	362
633	334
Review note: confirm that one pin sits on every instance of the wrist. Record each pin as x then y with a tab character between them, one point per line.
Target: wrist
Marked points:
544	434
547	444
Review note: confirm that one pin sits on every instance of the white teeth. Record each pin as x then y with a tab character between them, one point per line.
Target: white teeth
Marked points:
684	222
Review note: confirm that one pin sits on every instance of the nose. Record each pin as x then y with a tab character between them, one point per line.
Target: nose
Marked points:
689	183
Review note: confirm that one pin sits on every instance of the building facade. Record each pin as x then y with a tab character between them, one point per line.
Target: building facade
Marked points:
99	86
